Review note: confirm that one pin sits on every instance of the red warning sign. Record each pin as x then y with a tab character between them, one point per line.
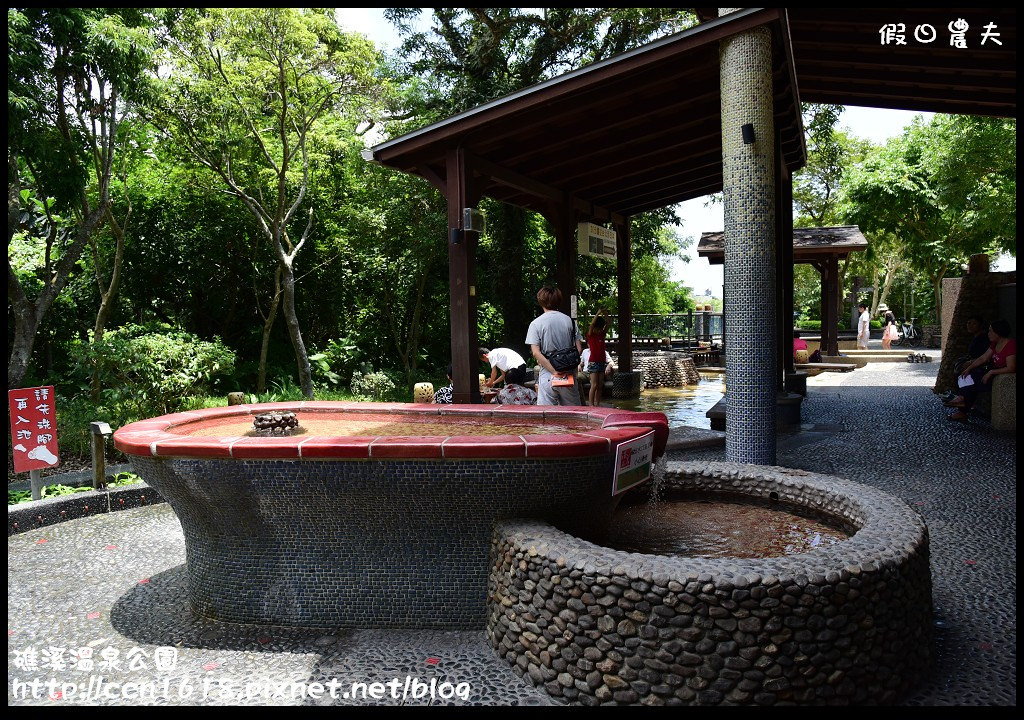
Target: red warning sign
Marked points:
33	428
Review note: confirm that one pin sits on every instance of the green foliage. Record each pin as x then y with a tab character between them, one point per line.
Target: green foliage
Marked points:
816	325
16	497
372	385
477	54
156	367
124	478
942	190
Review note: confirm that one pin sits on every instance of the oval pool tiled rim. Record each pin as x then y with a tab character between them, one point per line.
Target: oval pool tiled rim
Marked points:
152	438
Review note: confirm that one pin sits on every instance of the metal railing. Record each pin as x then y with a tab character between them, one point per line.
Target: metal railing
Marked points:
689	328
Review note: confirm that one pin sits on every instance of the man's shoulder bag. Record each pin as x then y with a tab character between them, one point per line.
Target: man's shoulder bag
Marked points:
566	358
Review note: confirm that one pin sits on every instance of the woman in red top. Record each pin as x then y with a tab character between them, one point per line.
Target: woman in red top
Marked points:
1002	358
598	359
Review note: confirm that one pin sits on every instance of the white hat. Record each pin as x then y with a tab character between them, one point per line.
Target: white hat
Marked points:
883	307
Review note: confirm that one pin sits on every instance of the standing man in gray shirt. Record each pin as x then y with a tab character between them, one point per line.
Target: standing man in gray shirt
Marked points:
553	330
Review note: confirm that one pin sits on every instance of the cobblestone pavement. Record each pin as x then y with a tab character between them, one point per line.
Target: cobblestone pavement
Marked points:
116	582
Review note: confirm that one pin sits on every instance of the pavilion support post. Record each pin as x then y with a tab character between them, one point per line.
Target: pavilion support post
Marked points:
784	266
748	159
830	307
624	263
564	220
829	269
462	191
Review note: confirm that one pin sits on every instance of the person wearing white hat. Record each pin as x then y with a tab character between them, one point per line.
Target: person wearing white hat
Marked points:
889	330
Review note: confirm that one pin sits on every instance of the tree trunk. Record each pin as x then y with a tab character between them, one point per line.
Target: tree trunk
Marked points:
509	233
890	275
937	289
28	315
268	324
415	324
876	300
106	296
294	332
26	323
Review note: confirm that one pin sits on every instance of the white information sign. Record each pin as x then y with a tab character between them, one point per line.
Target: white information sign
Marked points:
633	463
596	241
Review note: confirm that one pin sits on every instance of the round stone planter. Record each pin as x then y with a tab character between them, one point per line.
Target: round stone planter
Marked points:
850	623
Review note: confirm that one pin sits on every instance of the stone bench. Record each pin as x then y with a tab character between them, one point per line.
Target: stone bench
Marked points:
1004	403
828	367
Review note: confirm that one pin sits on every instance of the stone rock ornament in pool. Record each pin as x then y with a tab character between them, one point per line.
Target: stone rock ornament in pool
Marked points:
849	623
377	515
279	423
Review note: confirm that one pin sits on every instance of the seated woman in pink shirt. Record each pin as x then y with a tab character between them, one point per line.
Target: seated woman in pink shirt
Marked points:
1001	358
798	344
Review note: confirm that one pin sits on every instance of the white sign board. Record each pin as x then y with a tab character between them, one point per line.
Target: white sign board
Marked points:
633	463
596	241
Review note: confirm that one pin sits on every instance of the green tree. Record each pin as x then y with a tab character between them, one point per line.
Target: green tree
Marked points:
816	185
71	72
817	193
249	89
943	190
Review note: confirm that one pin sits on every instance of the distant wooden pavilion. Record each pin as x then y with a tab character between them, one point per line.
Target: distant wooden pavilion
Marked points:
822	248
713	108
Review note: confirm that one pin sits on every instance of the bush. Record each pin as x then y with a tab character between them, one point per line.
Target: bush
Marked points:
156	368
373	385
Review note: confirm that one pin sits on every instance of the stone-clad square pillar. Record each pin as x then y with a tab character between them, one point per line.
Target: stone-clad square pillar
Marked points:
748	170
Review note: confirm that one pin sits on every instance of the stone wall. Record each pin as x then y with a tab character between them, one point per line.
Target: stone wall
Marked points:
666	369
848	623
53	510
977	294
1004	403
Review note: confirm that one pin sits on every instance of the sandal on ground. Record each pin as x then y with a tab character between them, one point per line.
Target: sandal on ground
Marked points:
957	417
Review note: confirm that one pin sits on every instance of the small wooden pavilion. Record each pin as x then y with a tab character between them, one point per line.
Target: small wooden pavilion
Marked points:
822	248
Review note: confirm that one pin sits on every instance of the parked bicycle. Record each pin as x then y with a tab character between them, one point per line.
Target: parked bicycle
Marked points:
909	333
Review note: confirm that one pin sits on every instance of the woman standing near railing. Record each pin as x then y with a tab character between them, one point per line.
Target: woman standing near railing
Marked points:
598	359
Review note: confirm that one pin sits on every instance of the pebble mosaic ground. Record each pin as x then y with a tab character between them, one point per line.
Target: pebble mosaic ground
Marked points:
117	581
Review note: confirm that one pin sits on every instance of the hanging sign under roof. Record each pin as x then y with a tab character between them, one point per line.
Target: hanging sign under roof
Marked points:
596	241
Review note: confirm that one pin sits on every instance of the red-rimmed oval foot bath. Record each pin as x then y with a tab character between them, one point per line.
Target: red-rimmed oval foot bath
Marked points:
372	514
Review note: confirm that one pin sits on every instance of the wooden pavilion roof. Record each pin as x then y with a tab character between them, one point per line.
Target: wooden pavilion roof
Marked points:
633	133
642	130
840	58
809	244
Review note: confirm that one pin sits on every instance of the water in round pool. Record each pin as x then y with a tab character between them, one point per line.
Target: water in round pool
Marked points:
686	527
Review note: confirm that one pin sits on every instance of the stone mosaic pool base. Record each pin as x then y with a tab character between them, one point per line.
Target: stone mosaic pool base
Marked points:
849	623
